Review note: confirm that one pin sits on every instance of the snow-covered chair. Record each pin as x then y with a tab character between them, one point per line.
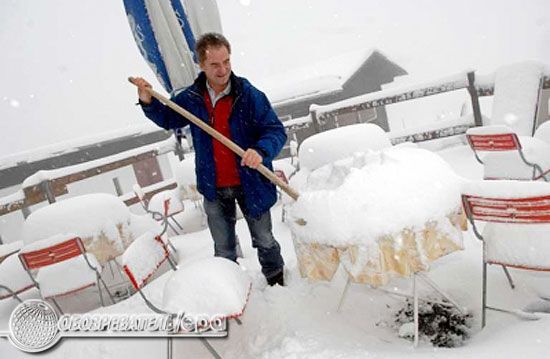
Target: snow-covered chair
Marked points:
155	205
196	288
505	155
13	278
517	229
60	266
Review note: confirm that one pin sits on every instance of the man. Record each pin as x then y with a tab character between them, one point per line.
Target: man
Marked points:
238	110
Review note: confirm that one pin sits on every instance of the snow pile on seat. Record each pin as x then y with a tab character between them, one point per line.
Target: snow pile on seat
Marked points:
67	276
143	257
508	164
102	221
515	97
336	144
13	275
213	286
521	244
358	199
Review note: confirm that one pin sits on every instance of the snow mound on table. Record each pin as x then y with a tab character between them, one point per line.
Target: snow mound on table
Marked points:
144	256
213	286
336	144
374	194
91	214
102	221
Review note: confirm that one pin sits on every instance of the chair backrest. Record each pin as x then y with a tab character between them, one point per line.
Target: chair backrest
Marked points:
143	257
507	210
33	260
494	142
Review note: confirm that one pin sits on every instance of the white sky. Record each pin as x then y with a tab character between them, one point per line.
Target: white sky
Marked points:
65	62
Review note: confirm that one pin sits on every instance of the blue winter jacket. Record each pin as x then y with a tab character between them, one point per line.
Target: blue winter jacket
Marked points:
253	124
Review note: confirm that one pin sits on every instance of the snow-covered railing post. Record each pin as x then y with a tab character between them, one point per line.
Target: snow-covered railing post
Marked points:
47	190
314	119
475	98
118	188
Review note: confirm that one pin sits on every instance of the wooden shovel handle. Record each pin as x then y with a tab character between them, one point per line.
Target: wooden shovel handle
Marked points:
218	136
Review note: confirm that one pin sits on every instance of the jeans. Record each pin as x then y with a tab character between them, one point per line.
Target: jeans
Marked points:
221	215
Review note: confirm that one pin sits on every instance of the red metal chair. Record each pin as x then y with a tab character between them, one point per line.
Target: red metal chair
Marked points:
503	139
154	205
521	213
60	266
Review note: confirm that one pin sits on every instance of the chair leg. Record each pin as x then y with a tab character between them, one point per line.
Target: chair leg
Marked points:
415	311
57	305
172	228
210	348
169	348
176	222
484	296
510	281
106	288
100	293
344	293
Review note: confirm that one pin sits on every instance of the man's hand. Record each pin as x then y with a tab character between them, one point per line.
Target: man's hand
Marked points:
143	94
251	158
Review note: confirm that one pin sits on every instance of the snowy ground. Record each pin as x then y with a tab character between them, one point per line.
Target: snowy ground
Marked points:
300	319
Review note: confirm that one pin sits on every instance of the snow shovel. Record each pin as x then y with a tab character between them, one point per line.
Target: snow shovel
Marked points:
218	136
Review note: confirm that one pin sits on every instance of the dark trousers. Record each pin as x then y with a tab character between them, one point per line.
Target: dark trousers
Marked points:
221	215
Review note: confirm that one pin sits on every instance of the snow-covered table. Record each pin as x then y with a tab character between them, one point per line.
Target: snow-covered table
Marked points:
102	221
380	214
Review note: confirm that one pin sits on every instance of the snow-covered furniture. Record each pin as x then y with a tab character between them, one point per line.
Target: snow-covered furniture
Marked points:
155	205
13	278
505	155
517	229
330	146
206	287
516	95
59	265
103	222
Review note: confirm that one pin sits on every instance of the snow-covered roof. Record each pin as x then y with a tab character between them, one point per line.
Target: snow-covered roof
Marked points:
73	145
315	79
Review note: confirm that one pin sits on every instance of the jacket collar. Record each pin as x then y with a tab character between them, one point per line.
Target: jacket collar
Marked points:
199	86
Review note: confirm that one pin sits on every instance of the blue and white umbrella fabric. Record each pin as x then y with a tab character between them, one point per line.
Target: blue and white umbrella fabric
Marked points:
165	32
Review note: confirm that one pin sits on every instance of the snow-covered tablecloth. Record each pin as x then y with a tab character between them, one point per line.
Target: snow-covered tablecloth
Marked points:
380	214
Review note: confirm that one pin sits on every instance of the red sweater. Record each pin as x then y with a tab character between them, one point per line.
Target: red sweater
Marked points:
225	161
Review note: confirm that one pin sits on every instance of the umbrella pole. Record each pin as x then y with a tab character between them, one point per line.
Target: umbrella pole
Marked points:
218	136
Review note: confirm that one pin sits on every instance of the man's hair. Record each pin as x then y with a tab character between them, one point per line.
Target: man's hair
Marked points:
210	39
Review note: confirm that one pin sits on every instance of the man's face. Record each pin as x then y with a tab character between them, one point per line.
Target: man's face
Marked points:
217	67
